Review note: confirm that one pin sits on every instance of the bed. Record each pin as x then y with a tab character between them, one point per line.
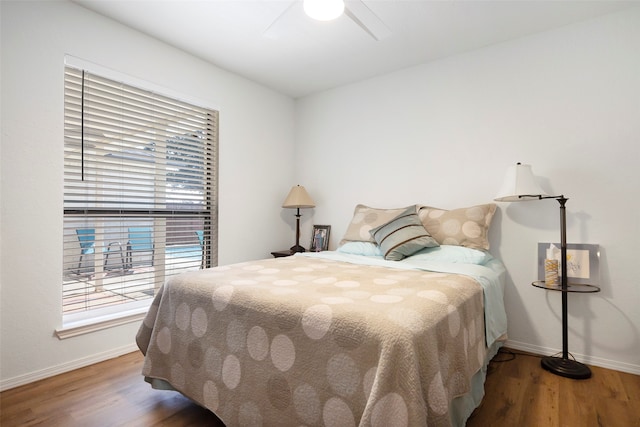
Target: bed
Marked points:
350	337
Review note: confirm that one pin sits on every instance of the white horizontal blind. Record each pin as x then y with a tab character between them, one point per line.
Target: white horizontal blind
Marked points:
140	191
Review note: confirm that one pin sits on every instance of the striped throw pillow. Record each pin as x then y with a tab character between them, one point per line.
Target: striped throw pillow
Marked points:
403	236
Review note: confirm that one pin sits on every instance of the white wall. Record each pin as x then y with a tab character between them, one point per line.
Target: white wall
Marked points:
256	138
565	101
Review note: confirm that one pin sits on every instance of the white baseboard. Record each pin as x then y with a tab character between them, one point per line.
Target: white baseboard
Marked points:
101	357
65	367
589	360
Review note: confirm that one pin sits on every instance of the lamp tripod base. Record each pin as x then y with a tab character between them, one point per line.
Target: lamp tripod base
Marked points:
297	248
568	368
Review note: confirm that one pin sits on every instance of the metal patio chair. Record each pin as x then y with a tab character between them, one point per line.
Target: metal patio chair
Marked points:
87	239
140	241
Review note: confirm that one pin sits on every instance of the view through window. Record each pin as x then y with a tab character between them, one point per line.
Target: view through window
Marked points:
140	192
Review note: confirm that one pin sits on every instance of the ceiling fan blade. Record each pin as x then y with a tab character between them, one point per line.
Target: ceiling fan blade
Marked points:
271	32
366	19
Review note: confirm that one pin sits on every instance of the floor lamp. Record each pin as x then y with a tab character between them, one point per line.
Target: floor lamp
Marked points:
520	185
296	199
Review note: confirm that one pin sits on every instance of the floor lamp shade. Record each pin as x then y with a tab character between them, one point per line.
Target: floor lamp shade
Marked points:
296	199
520	185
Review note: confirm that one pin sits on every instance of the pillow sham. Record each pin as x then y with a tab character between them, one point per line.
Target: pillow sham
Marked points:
366	218
468	227
404	235
360	248
453	254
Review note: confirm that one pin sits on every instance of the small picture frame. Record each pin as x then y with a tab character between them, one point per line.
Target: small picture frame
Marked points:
320	238
583	262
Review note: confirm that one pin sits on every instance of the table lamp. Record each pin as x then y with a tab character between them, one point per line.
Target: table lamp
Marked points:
296	199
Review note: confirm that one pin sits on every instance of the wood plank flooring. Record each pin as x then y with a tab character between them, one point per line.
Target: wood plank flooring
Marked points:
518	393
111	393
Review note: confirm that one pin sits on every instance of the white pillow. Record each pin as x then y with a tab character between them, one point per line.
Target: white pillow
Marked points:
360	248
450	253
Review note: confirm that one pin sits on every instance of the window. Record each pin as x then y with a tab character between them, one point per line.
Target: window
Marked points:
140	193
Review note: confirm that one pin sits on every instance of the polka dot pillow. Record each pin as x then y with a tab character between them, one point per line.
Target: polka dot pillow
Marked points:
365	219
467	227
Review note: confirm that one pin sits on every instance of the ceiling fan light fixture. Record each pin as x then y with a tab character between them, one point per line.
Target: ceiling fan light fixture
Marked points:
323	10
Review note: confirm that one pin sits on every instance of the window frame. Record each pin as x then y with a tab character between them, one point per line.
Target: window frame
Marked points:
94	319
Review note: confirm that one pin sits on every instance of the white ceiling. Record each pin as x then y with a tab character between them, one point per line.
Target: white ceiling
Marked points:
298	56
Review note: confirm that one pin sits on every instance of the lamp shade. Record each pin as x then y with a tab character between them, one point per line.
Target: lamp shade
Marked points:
298	198
519	184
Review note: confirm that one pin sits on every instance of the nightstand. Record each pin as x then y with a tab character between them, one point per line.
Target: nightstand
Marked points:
279	254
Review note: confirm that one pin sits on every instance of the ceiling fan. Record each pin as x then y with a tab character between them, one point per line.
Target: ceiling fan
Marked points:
326	10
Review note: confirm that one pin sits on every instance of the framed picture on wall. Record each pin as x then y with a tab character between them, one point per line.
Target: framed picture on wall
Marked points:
320	238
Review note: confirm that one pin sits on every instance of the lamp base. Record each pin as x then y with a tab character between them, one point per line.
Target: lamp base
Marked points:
568	368
297	248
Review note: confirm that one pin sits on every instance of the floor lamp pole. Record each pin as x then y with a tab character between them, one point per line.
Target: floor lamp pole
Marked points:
564	366
564	278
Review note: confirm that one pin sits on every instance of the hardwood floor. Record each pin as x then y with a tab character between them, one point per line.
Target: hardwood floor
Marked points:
111	393
518	393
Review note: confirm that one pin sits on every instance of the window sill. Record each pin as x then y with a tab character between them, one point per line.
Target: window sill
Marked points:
87	326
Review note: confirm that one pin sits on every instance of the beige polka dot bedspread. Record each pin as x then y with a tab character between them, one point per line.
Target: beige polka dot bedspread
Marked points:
318	342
